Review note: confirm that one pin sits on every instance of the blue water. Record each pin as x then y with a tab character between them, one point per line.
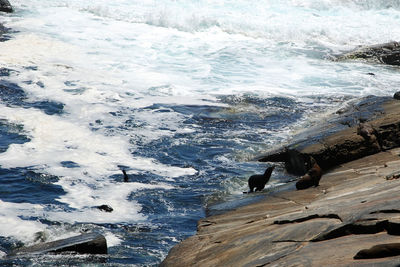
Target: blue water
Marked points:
181	94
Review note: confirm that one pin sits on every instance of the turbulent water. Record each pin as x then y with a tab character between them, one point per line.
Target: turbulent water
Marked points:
181	94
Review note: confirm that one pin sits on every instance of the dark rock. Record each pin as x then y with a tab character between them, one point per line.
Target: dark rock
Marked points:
83	244
105	208
387	53
126	177
397	95
5	6
343	138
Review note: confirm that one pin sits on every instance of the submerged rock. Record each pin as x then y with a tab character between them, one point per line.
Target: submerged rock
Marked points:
387	53
5	6
83	244
105	208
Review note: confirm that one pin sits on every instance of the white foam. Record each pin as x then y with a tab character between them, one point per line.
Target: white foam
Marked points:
55	140
112	240
12	225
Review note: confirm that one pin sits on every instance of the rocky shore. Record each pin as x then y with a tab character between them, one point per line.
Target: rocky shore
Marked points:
351	219
354	208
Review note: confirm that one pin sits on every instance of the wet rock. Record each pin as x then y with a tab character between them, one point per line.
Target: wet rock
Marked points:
105	208
353	134
396	95
5	6
387	53
83	244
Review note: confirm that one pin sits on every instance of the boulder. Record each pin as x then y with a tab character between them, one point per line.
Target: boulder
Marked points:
91	243
105	208
5	6
387	53
361	129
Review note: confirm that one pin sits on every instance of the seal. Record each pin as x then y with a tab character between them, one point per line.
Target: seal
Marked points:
379	251
312	177
126	177
258	181
369	134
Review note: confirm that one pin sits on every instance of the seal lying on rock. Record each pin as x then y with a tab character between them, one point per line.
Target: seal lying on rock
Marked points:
311	178
379	251
369	134
258	181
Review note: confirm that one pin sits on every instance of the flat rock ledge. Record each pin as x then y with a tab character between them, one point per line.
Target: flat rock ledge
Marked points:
354	211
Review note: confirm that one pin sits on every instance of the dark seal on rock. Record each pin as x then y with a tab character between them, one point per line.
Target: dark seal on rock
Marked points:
5	6
379	251
311	178
105	208
258	181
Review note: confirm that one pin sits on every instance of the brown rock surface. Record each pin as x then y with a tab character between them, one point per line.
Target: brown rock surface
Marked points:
355	207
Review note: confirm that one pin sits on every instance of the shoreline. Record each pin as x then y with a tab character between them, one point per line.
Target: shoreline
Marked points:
352	209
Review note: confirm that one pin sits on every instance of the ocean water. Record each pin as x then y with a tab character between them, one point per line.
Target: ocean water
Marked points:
180	94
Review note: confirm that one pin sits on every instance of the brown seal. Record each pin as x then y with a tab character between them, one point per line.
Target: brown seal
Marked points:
258	181
379	251
369	134
312	177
